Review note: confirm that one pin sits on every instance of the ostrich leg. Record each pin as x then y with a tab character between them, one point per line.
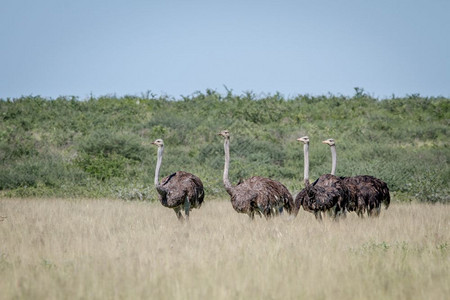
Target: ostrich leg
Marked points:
187	207
178	213
318	215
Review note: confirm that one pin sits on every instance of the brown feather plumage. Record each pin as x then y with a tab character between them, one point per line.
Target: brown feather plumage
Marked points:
317	199
180	185
370	193
261	196
256	195
333	185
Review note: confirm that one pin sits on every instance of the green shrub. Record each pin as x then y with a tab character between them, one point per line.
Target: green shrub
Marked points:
38	171
106	143
102	166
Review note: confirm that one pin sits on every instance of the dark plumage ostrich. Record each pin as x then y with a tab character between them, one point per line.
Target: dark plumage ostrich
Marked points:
255	195
371	191
366	192
347	200
319	198
178	190
332	180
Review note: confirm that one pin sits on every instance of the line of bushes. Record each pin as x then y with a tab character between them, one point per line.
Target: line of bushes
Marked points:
101	147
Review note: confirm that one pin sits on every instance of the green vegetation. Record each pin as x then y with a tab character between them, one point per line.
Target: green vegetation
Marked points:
101	147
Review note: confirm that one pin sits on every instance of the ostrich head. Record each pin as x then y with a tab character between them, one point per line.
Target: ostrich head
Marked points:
225	133
158	142
329	142
304	139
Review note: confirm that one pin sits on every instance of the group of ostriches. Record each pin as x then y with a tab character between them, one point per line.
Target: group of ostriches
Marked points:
266	197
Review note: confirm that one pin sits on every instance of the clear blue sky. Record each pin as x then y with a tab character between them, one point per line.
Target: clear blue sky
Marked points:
65	47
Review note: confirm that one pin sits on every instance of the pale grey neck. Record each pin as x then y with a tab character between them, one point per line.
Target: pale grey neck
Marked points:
226	181
333	159
158	164
306	166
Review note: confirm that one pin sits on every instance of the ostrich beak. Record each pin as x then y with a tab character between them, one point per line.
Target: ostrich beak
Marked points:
325	142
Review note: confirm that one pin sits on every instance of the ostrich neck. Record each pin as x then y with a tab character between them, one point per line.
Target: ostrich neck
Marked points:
306	166
226	181
333	160
158	167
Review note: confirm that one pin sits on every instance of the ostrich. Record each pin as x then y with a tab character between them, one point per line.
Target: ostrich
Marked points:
353	202
319	197
331	180
366	192
255	195
178	190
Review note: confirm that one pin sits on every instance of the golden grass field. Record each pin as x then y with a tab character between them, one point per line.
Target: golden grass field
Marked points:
110	249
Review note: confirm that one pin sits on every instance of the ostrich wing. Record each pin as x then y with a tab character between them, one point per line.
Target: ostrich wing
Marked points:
167	179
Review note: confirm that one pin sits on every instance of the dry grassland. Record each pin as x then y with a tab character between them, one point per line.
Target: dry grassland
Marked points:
104	249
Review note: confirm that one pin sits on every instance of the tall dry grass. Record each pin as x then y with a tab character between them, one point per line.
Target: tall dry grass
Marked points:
104	249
